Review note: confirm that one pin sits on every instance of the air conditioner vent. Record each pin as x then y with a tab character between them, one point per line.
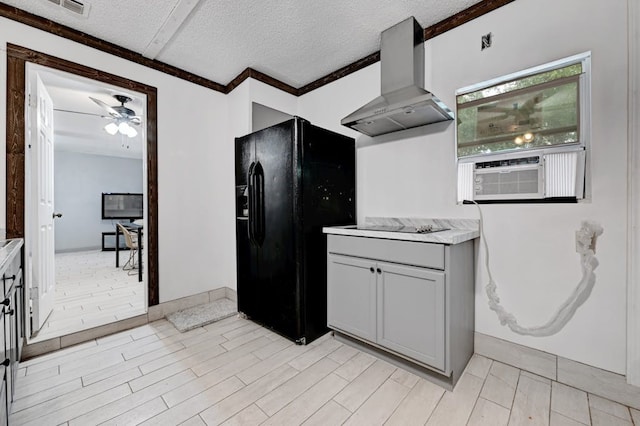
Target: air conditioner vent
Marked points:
508	162
74	6
509	182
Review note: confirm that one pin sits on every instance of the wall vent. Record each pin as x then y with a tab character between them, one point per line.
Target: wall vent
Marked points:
73	6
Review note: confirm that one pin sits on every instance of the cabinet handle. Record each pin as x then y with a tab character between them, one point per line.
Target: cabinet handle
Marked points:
371	269
10	312
6	362
6	302
379	270
12	278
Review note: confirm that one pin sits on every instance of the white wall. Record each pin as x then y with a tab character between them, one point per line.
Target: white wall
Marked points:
195	166
532	246
263	117
80	200
410	173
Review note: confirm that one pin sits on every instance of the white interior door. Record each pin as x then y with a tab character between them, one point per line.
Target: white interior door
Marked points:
41	250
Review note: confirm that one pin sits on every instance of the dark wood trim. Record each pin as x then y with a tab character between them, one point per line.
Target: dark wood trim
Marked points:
19	15
342	72
463	17
257	75
17	57
434	30
51	27
238	80
15	147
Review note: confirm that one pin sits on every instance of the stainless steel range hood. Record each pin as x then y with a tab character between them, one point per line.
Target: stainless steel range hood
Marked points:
404	102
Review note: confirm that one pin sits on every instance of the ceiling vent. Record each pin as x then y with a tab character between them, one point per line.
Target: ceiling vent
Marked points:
74	6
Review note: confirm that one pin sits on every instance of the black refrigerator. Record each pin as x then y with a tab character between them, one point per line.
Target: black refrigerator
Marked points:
291	180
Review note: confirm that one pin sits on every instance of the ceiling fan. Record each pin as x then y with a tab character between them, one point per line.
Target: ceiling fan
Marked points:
122	116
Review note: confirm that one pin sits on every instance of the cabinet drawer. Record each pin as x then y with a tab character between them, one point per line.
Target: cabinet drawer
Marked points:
427	255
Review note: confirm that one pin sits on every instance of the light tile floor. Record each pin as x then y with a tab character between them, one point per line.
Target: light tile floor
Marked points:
235	372
91	291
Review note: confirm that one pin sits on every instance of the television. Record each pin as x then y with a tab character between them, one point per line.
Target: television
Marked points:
122	206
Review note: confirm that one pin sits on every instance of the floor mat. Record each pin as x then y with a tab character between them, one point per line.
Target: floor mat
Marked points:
200	315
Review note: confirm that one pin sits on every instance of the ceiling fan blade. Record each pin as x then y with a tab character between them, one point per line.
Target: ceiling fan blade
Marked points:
108	108
135	120
84	113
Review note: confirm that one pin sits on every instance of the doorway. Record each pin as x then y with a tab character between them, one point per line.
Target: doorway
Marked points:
17	59
87	288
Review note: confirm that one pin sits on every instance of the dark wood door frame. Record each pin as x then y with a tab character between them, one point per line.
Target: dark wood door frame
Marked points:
17	57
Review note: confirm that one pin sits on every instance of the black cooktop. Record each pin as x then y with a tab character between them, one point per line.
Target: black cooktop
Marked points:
426	229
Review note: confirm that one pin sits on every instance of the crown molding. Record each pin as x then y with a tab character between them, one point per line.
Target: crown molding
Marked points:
481	8
257	75
54	28
464	16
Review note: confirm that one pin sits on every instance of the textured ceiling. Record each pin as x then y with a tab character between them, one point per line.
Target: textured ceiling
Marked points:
295	41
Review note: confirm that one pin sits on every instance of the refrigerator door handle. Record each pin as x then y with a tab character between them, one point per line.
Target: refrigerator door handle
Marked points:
258	173
252	202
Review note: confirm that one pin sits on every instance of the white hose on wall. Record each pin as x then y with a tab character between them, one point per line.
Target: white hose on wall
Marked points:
585	245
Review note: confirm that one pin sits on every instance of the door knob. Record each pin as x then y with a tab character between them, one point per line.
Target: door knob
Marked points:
55	215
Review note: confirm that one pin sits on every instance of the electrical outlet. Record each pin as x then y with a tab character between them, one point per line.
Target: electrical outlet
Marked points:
581	242
486	41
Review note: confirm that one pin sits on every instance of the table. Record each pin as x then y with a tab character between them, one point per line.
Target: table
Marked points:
138	229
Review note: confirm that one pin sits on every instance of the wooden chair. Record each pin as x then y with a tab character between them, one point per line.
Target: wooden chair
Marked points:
131	241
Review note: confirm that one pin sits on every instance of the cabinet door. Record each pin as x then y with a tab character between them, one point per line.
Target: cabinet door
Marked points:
19	314
9	345
411	318
351	296
4	408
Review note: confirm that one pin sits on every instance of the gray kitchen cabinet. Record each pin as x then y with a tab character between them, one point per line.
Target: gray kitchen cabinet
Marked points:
351	295
408	301
411	312
11	321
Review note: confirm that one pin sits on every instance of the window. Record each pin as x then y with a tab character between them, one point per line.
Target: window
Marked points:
534	109
525	136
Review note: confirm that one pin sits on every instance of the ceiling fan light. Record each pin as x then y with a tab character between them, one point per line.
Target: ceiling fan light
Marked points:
132	133
111	128
124	128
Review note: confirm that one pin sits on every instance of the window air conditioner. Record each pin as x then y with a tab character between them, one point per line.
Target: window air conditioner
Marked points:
535	176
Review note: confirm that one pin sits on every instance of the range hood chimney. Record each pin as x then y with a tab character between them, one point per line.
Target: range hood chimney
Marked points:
404	102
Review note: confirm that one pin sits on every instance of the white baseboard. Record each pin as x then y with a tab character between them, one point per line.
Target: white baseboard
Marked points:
154	313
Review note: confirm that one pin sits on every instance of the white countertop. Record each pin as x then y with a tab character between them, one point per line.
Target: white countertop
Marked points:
460	230
8	250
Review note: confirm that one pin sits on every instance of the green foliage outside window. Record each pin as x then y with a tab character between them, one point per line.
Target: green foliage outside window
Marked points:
530	112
